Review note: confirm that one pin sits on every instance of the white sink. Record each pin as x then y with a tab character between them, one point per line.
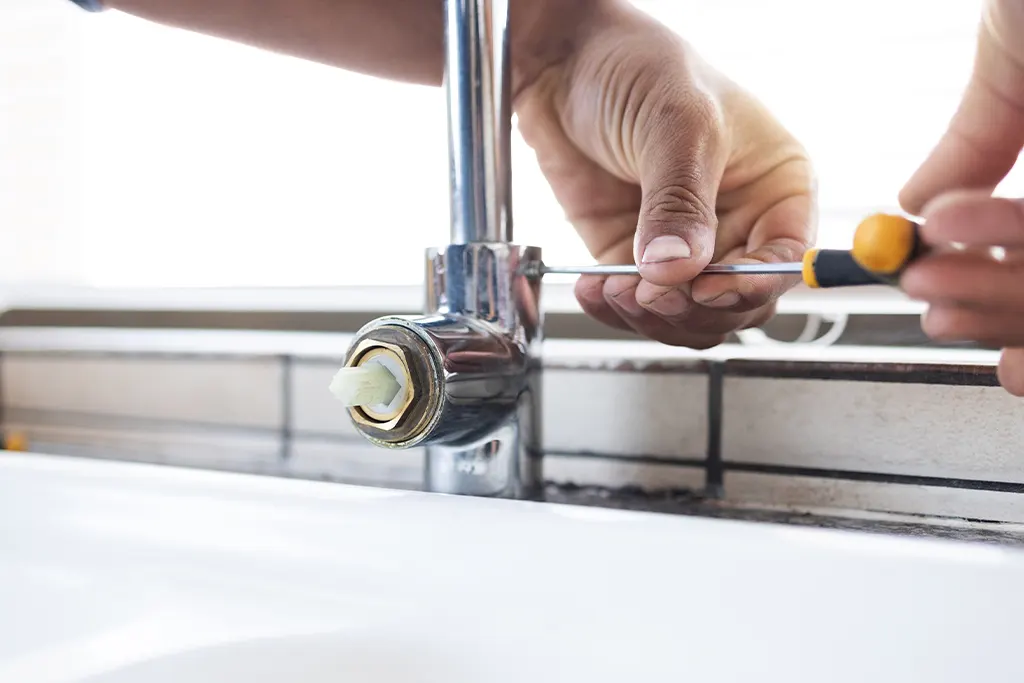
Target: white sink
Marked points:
119	573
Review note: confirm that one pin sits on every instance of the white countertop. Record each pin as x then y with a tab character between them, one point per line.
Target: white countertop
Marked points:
123	573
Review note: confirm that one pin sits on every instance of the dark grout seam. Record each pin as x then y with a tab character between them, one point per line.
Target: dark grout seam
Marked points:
79	419
715	473
638	459
287	406
682	367
882	373
148	355
3	406
876	477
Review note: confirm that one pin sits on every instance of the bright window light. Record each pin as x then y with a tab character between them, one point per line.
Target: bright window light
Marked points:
141	156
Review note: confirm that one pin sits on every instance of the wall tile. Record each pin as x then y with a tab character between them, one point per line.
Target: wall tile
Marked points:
314	408
968	432
618	473
222	413
626	413
240	393
818	493
238	451
357	462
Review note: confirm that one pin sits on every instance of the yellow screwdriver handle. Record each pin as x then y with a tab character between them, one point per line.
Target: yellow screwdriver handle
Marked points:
885	245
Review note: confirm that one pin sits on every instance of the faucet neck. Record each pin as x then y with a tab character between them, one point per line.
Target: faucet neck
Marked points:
478	84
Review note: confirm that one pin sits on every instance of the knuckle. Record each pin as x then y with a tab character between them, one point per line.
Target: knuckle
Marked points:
678	201
688	121
707	117
588	291
691	112
675	115
619	287
669	303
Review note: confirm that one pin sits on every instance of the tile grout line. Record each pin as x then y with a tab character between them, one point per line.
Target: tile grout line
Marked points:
287	407
175	356
715	475
73	419
3	406
876	477
910	375
712	461
636	458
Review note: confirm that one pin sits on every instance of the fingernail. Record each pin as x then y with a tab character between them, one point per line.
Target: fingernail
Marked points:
724	300
666	248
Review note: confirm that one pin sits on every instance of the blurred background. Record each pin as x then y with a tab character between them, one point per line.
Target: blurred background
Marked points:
133	155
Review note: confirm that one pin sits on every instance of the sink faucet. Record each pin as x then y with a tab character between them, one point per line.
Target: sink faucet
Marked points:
467	369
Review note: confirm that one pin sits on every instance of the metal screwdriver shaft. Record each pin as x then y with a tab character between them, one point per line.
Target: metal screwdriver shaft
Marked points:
741	268
883	246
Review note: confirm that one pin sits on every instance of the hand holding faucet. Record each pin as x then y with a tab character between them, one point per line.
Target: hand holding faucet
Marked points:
661	161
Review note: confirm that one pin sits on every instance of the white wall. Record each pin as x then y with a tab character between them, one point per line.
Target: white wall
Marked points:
40	141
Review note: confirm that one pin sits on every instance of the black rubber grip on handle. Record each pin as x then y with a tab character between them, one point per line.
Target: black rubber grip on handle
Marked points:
917	250
837	268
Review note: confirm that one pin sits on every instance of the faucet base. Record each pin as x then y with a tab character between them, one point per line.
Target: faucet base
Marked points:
488	282
503	464
471	367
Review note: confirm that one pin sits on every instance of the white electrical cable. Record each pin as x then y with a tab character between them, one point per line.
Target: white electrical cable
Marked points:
807	337
811	329
755	337
834	334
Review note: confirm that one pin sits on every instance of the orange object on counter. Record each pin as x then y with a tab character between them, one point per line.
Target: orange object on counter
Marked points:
13	441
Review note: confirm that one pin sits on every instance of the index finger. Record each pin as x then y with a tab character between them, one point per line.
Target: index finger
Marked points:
987	131
974	218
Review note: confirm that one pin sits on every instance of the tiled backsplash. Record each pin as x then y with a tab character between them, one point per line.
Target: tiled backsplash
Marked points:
916	431
936	440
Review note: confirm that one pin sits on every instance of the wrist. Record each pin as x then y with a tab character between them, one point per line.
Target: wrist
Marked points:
546	33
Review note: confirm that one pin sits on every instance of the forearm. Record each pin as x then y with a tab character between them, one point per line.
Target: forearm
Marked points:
397	39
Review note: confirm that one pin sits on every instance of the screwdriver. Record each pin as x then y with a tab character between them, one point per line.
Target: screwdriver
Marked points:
883	246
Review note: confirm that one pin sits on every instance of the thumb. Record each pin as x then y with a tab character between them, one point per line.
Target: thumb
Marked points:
986	134
680	162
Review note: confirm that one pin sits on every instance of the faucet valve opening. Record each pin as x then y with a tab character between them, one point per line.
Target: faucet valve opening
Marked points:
388	385
377	385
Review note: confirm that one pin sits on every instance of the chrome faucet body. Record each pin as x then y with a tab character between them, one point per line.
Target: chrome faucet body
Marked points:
472	358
